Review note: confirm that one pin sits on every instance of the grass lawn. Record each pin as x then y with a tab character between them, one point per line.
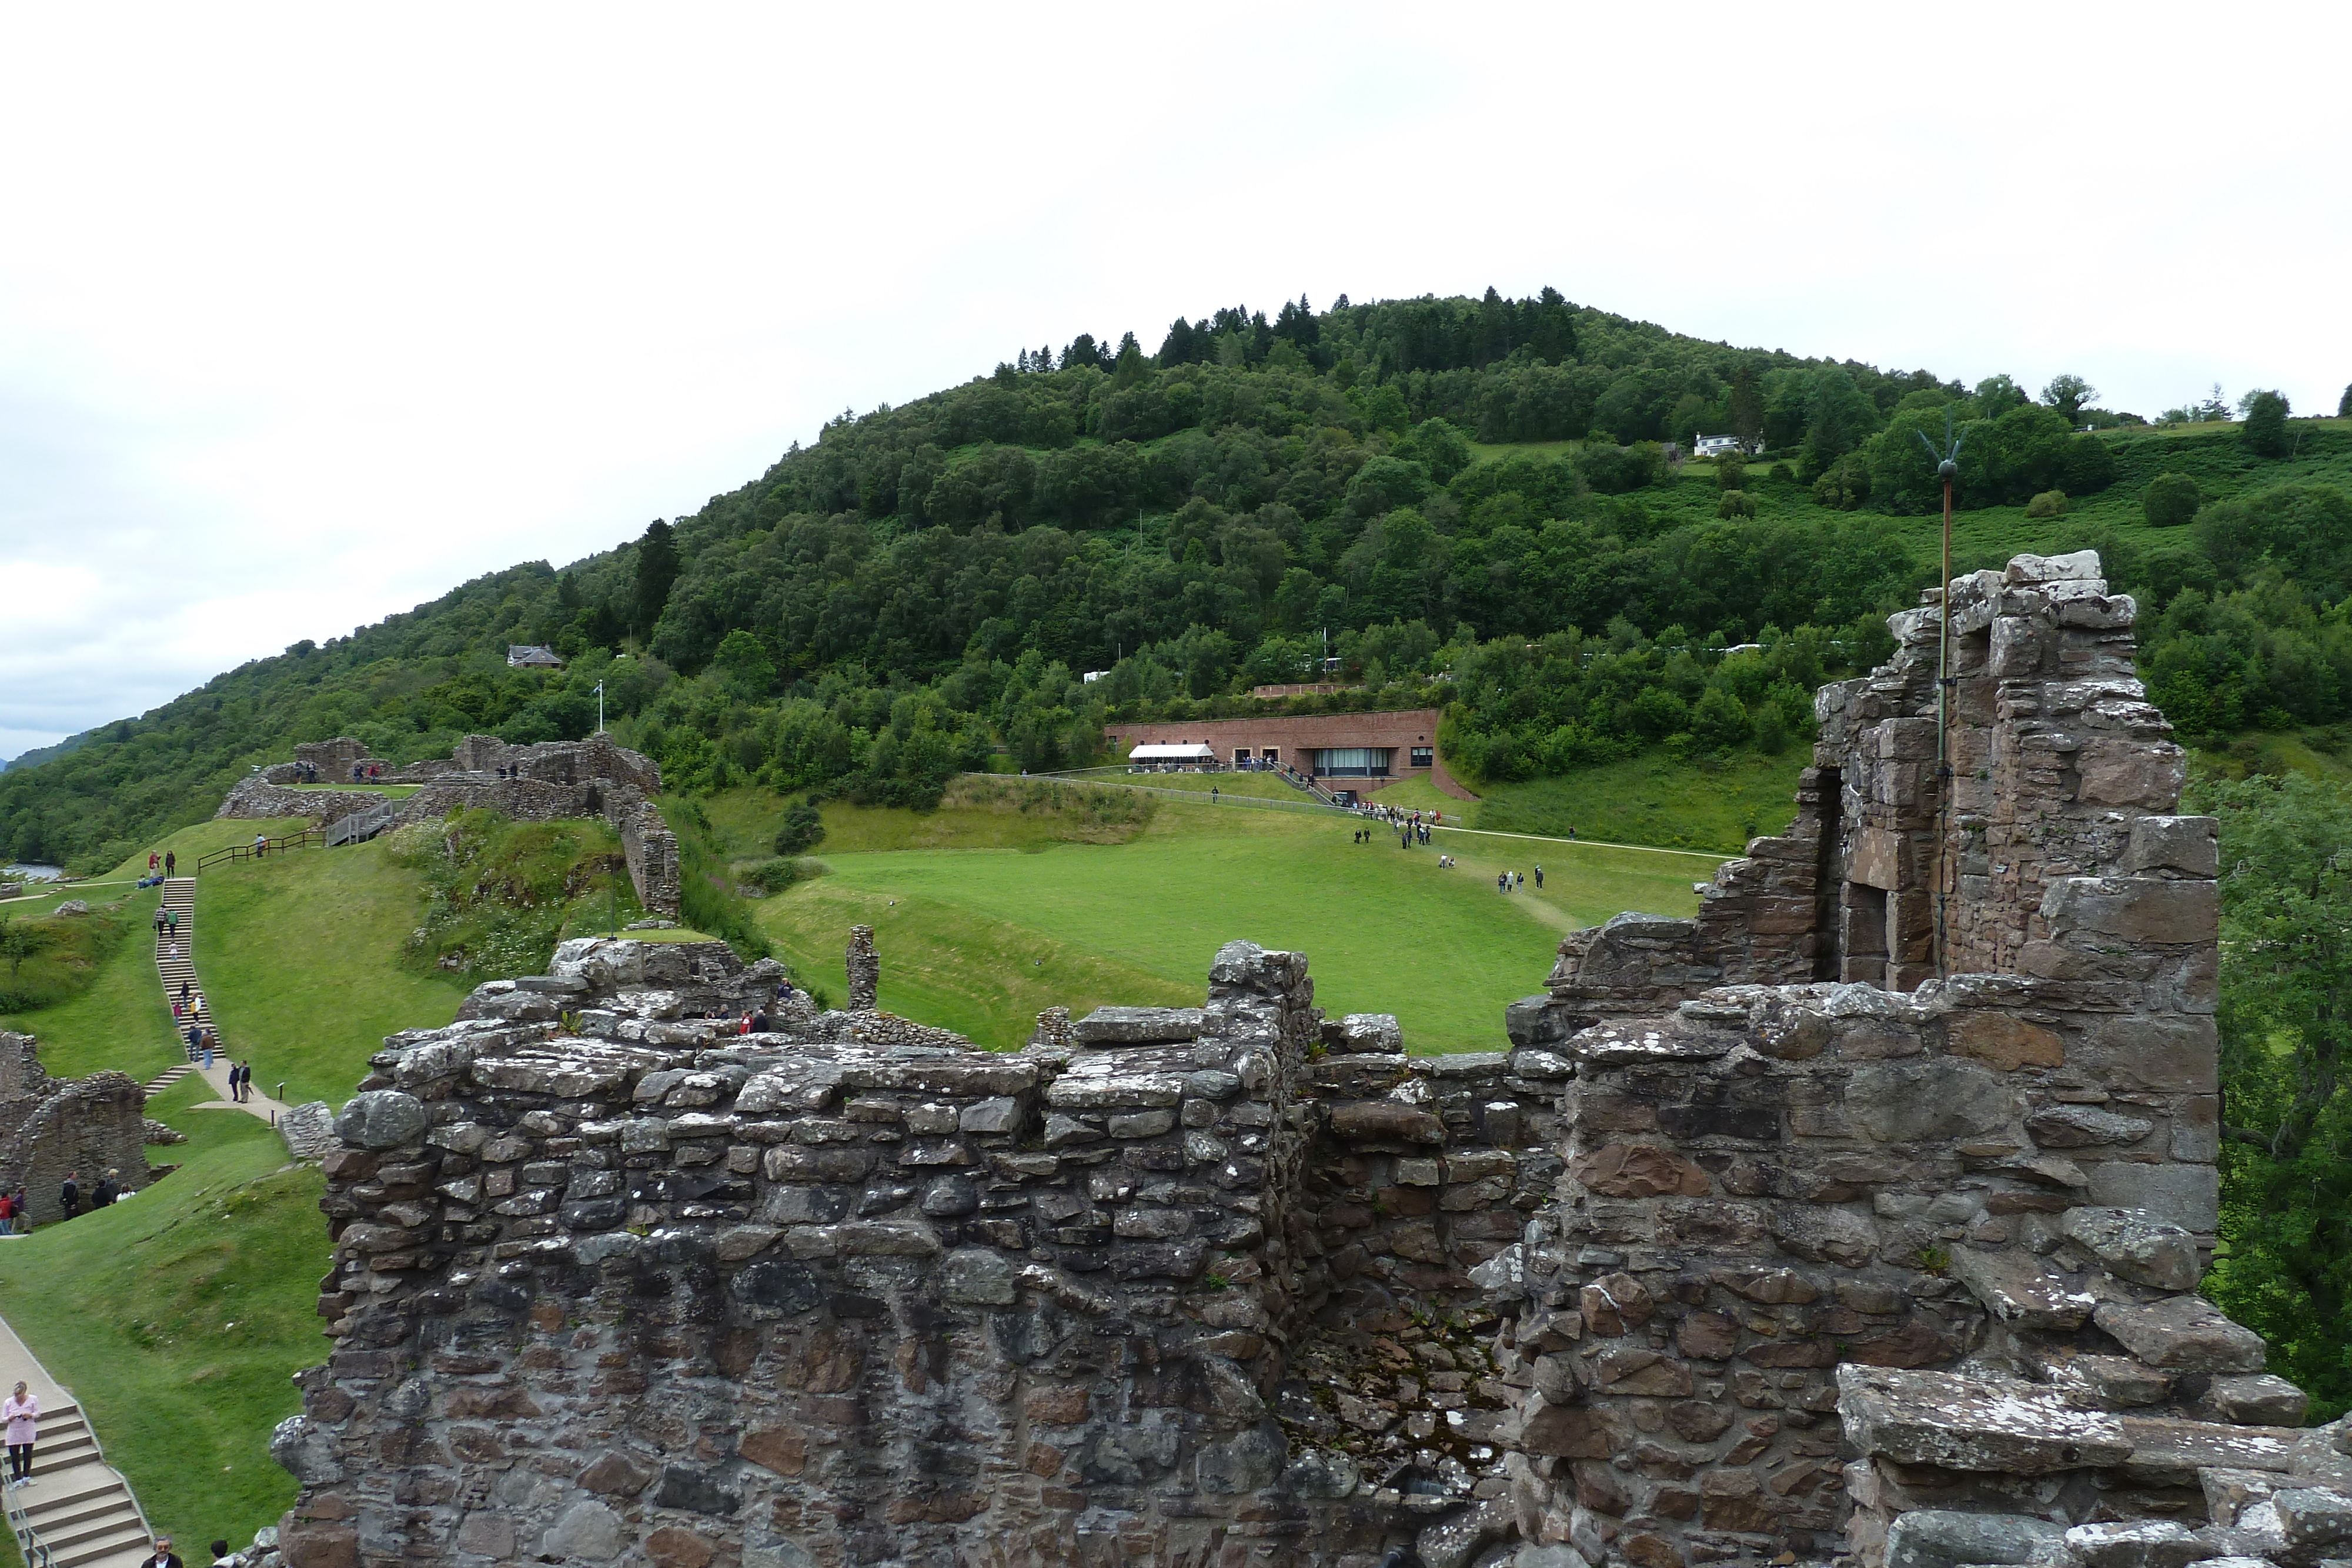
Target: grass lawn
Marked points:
1653	801
1007	813
298	959
979	939
176	1317
389	792
121	1019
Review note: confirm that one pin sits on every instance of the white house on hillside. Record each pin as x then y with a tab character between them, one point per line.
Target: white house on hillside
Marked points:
1717	445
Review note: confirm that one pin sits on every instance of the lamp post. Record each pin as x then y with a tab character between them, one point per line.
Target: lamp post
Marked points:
600	707
1947	468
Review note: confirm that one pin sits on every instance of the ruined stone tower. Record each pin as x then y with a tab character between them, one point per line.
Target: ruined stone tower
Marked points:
1856	1215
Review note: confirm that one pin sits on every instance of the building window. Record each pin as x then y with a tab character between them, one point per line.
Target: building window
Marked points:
1240	753
1271	754
1424	756
1353	761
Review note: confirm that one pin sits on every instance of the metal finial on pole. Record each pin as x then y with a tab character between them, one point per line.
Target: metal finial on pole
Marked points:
1947	468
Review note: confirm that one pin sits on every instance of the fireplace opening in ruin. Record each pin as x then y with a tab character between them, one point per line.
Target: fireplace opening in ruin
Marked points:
1863	936
1832	795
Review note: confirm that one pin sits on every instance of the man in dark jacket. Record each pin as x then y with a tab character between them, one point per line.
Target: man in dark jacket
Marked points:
70	1195
164	1556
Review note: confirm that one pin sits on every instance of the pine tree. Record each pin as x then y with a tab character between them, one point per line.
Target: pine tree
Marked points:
1177	348
657	571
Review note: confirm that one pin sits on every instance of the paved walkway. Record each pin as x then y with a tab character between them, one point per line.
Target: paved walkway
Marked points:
175	965
78	1506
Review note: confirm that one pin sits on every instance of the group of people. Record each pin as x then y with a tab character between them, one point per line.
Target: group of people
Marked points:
1516	880
21	1413
15	1219
167	923
102	1195
168	862
366	772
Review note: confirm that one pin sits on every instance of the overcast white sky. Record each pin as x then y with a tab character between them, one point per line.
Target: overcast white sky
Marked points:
309	313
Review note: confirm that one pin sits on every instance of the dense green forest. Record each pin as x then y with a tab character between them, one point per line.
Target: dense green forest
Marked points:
1479	505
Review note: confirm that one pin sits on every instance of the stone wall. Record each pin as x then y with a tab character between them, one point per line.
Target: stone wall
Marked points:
1858	1218
52	1126
254	796
539	783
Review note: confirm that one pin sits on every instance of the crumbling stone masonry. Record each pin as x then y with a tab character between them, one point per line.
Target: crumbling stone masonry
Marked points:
864	969
542	782
52	1126
1858	1216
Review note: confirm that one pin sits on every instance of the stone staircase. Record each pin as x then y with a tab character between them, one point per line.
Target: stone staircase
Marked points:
175	960
77	1513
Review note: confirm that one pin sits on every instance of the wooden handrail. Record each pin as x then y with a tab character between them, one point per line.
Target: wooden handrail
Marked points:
306	839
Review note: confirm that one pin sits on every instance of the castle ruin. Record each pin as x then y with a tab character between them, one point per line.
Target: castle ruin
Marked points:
542	782
1859	1216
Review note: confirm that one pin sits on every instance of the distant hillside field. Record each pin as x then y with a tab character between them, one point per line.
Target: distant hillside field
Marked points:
981	939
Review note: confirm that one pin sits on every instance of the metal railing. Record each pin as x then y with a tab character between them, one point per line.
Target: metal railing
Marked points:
35	1551
360	826
309	838
38	1554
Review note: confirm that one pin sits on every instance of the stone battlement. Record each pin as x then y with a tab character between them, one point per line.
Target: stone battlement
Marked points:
1859	1216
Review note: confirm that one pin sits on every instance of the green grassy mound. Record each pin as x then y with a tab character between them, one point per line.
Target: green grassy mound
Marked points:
1700	804
177	1316
981	938
114	1014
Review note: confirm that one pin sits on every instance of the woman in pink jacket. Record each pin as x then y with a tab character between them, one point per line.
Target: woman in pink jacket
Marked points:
22	1411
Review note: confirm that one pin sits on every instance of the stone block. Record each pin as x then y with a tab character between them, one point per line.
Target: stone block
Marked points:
381	1119
2258	1399
2135	1544
2184	1333
2185	846
1928	1099
1638	1170
1385	1121
2182	1195
2082	1126
2156	910
2015	1288
1980	1423
1111	1027
1944	1538
2002	1041
2135	1245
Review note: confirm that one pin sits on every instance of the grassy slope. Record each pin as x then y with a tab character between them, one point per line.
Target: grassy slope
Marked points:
298	956
122	1020
1386	929
1697	805
176	1317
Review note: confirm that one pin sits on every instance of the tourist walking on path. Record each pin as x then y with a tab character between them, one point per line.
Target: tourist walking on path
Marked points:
70	1195
171	862
22	1411
1538	878
7	1215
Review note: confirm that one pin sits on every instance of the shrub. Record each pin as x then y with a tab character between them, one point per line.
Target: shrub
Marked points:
2266	429
1736	504
1844	484
802	831
2170	501
1731	472
2049	504
772	877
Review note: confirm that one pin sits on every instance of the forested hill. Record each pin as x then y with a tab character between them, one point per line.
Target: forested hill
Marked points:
1474	503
